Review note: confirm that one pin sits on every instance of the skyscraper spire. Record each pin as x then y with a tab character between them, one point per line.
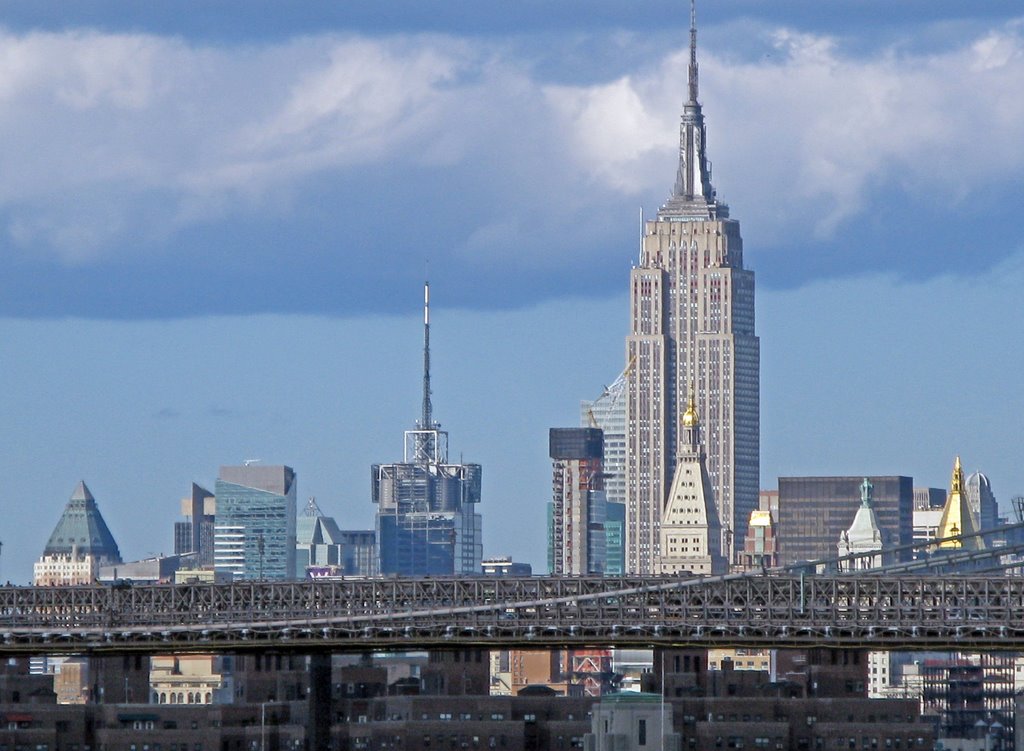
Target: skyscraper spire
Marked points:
693	52
428	418
693	193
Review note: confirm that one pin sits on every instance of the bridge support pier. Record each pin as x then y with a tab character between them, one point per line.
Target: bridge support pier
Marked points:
320	701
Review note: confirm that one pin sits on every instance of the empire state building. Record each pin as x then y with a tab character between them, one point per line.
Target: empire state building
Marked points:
691	327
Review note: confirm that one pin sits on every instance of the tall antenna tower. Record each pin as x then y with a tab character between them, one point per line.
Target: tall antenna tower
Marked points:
427	443
427	421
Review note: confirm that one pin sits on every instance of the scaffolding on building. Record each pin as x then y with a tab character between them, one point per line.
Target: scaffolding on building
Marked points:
968	691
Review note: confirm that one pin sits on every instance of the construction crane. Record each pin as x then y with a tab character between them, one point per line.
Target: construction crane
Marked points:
619	384
615	391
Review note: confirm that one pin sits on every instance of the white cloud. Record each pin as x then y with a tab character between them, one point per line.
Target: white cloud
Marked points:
611	128
93	125
368	98
814	127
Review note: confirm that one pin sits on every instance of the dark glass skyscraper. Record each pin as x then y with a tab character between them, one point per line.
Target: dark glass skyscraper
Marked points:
815	511
427	522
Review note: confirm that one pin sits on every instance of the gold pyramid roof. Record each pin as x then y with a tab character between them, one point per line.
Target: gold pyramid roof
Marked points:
957	515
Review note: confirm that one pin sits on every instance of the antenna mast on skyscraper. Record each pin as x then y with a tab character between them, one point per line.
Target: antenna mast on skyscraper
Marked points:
428	419
427	443
693	52
642	236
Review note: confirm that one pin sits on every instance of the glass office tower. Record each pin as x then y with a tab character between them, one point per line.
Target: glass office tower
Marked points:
254	528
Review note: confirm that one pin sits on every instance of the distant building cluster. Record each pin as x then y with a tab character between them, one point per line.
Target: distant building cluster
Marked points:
249	528
447	700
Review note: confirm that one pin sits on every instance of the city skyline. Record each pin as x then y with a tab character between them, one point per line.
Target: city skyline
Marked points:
144	388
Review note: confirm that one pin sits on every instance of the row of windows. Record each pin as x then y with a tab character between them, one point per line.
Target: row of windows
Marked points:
457	741
181	697
866	742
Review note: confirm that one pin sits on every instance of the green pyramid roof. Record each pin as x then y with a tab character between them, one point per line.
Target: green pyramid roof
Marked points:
81	527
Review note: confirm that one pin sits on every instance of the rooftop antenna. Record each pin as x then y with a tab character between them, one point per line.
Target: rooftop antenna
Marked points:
312	508
428	418
641	235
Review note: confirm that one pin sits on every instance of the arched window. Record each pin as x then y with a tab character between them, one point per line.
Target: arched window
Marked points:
209	698
173	698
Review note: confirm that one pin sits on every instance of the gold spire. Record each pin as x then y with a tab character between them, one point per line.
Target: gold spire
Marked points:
690	418
957	482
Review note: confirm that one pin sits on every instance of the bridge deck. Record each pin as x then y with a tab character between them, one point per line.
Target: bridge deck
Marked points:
904	612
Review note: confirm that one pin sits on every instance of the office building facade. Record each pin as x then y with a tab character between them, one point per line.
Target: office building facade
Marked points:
503	565
615	539
929	498
608	413
815	511
982	500
254	528
323	550
195	534
691	321
359	552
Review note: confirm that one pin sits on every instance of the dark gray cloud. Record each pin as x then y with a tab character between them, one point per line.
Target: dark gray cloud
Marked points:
269	19
152	177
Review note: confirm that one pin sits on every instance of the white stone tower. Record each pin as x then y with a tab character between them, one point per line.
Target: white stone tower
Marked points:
691	533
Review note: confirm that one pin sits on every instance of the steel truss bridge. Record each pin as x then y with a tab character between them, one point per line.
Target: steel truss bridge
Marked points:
856	611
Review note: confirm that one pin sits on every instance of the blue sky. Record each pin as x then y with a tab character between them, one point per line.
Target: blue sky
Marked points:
215	219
